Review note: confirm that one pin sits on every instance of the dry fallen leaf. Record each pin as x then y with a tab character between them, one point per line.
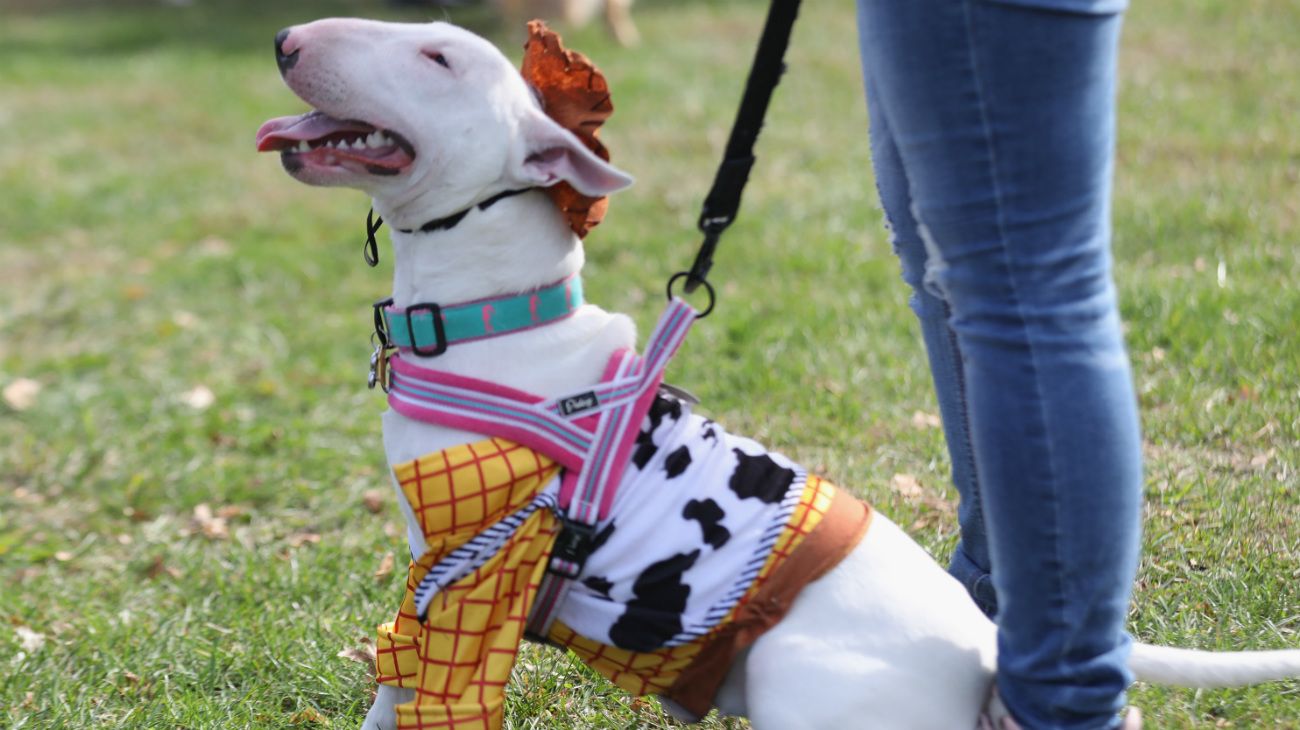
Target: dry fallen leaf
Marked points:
215	247
210	525
309	716
906	486
185	320
200	397
385	568
1261	460
373	499
641	706
921	419
21	394
28	640
364	653
159	568
302	537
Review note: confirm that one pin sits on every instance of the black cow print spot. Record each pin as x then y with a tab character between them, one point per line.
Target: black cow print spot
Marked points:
645	450
677	462
760	477
599	585
655	615
709	433
710	516
645	442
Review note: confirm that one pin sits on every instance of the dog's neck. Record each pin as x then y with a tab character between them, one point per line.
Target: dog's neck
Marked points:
516	245
488	253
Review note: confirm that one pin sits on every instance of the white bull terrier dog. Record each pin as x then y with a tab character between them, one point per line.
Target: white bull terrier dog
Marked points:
457	152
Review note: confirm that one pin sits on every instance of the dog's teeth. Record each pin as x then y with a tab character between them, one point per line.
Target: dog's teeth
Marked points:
375	139
358	144
303	147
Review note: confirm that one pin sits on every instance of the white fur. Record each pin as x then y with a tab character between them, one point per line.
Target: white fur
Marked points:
887	639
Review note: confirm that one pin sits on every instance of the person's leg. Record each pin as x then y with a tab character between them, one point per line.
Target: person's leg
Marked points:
1002	117
970	563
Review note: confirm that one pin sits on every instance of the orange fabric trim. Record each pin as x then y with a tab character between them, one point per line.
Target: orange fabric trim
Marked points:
842	526
690	674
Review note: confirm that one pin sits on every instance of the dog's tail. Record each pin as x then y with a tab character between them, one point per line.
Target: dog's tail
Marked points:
1211	669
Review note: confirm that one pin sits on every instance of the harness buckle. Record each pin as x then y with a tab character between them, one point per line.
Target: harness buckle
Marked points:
439	332
572	547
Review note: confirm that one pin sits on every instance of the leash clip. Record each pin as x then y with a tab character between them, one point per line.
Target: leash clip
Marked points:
379	373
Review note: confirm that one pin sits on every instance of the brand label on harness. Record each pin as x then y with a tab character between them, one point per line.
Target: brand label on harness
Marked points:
577	403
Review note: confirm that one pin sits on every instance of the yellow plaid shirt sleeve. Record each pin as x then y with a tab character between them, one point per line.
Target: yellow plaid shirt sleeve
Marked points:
459	659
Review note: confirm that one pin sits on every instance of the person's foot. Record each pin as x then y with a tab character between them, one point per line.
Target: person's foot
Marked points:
997	717
1132	721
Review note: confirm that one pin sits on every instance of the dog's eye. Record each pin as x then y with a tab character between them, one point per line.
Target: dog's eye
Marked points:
438	58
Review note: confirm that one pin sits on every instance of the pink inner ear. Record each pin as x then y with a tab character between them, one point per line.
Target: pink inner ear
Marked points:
580	168
548	155
548	161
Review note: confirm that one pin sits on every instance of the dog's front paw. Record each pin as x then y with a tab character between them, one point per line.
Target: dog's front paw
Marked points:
383	714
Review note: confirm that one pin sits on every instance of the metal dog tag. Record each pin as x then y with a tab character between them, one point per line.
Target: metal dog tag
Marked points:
378	368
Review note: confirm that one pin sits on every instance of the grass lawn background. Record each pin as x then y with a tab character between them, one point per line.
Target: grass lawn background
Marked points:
165	563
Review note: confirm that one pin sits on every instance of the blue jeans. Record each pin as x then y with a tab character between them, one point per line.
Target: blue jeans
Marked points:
992	129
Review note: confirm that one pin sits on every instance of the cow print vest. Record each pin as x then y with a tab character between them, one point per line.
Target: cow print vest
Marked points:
696	516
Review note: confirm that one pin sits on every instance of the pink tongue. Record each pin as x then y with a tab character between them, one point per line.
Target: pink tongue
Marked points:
277	133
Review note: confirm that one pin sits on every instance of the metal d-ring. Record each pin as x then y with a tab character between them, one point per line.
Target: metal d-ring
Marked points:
707	287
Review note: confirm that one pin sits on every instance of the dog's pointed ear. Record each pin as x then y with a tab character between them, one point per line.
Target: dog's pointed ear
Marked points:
553	154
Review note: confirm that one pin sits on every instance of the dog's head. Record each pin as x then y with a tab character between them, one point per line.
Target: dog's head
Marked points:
426	118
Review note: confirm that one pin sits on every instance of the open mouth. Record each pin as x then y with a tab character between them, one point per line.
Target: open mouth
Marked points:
318	140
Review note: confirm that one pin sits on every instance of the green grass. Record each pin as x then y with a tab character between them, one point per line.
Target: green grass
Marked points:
146	250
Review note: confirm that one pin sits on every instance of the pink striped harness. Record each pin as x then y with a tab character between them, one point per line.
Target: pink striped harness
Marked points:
590	434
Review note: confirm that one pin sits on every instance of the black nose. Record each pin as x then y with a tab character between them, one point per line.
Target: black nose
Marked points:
284	62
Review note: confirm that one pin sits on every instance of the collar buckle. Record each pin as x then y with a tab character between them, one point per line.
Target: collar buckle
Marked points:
439	331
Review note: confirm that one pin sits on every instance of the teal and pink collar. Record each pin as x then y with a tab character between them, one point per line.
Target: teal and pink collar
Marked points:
427	329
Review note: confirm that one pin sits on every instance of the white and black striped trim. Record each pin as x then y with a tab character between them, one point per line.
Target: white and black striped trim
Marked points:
746	578
478	551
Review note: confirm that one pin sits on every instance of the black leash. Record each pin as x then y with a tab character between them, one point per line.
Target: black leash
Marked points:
723	200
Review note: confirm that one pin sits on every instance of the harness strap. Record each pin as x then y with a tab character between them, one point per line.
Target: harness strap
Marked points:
589	433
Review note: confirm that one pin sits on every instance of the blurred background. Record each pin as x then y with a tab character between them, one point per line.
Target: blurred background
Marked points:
196	527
